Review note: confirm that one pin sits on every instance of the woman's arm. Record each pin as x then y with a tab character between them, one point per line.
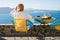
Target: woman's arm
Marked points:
12	13
29	17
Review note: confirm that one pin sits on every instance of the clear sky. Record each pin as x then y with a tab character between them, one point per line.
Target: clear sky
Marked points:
35	4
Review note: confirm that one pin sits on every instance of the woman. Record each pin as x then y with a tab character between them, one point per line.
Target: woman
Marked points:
21	18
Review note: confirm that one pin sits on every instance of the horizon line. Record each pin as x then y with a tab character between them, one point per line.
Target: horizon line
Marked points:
32	8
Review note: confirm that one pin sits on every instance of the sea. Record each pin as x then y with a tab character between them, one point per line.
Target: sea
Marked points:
6	18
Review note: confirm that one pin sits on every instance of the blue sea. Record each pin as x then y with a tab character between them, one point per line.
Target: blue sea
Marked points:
6	18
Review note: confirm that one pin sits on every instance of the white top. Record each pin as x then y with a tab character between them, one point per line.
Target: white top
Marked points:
16	14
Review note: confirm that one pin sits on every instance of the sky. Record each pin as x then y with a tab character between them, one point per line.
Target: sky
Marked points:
32	4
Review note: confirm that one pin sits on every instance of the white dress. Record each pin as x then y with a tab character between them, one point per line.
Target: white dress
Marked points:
24	15
16	14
